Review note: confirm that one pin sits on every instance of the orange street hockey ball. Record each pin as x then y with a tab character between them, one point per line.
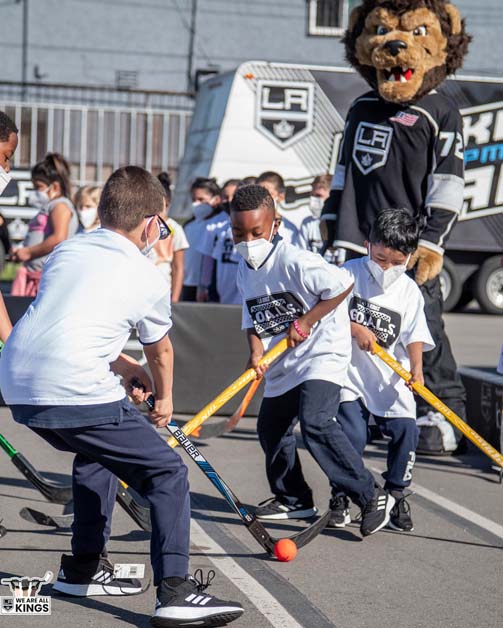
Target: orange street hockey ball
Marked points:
285	550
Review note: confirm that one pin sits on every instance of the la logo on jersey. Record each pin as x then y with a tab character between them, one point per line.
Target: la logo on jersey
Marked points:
371	146
284	111
25	599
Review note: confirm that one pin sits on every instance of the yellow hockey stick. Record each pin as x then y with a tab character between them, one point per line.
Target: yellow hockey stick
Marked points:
435	402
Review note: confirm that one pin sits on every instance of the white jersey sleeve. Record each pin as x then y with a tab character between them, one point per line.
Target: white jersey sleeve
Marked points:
157	323
415	327
323	279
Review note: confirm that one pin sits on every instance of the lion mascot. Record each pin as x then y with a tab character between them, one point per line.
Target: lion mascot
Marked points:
403	148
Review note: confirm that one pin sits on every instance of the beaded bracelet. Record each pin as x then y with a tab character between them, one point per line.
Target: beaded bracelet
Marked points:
297	328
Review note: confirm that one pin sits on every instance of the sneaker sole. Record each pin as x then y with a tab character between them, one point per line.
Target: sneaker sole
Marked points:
398	528
218	619
297	514
90	590
389	506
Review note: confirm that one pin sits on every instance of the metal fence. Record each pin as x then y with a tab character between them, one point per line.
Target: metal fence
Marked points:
98	129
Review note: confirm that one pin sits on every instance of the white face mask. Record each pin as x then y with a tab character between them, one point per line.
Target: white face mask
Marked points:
38	199
88	216
255	252
5	177
316	205
385	278
150	245
201	210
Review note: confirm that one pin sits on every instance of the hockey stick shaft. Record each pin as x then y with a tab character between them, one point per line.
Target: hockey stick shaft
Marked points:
232	390
440	406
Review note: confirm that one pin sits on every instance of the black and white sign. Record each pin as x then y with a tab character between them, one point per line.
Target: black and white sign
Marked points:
371	147
272	314
385	323
284	111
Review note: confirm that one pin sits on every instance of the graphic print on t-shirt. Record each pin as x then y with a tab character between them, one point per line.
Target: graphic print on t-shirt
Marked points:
273	314
229	256
385	323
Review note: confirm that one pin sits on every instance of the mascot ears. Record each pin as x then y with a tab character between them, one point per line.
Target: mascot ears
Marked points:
454	17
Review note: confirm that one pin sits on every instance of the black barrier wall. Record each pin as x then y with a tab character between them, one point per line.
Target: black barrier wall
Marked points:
210	352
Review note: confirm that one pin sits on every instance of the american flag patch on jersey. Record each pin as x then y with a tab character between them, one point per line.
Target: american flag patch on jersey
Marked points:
407	119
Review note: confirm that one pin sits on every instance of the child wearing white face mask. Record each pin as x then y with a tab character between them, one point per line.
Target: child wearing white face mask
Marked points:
206	199
309	230
297	294
86	202
55	221
386	306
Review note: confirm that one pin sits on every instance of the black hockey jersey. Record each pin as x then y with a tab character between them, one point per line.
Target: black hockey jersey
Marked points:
392	156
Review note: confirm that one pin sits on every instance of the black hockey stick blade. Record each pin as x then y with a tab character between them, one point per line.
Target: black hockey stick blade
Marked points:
52	492
41	518
139	514
311	532
3	531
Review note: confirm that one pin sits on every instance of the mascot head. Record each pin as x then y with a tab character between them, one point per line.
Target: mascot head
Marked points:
405	48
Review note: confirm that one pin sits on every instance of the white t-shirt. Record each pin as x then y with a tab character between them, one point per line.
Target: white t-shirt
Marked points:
95	288
194	231
212	227
227	258
287	285
310	235
296	216
177	242
397	318
290	233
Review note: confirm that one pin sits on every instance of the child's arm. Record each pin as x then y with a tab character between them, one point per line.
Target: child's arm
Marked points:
308	320
415	352
60	219
256	352
160	360
5	324
177	275
364	337
130	370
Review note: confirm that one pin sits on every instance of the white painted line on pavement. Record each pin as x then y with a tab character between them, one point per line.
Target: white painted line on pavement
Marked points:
265	603
457	509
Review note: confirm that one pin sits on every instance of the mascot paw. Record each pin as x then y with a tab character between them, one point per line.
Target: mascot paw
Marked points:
427	264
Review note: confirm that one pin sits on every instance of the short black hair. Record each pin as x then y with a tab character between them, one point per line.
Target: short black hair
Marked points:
249	197
395	229
273	177
235	182
165	180
130	194
7	127
210	185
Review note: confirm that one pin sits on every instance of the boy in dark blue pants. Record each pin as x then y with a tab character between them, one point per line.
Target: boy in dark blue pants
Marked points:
385	306
58	373
287	291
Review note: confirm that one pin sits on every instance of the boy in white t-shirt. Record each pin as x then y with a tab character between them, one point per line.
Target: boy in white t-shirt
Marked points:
386	306
58	375
227	259
296	293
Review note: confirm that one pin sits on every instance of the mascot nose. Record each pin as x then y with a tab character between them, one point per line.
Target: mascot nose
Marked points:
394	46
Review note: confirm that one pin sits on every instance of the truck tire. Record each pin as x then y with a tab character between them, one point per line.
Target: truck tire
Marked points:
488	285
450	284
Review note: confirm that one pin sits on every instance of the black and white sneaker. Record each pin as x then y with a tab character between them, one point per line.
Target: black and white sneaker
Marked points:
272	509
94	577
186	604
376	513
339	515
400	518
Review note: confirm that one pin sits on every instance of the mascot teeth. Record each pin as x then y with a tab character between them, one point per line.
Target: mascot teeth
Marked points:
399	75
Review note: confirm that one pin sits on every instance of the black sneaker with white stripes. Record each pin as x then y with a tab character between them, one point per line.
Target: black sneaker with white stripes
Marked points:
376	513
272	509
339	512
185	603
92	577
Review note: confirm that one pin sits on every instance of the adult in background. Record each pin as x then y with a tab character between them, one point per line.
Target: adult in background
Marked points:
55	221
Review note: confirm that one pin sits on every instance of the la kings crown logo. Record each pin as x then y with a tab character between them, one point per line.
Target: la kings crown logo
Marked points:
371	146
284	111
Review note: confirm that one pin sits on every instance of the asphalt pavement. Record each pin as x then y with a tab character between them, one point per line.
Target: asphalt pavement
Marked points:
446	573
